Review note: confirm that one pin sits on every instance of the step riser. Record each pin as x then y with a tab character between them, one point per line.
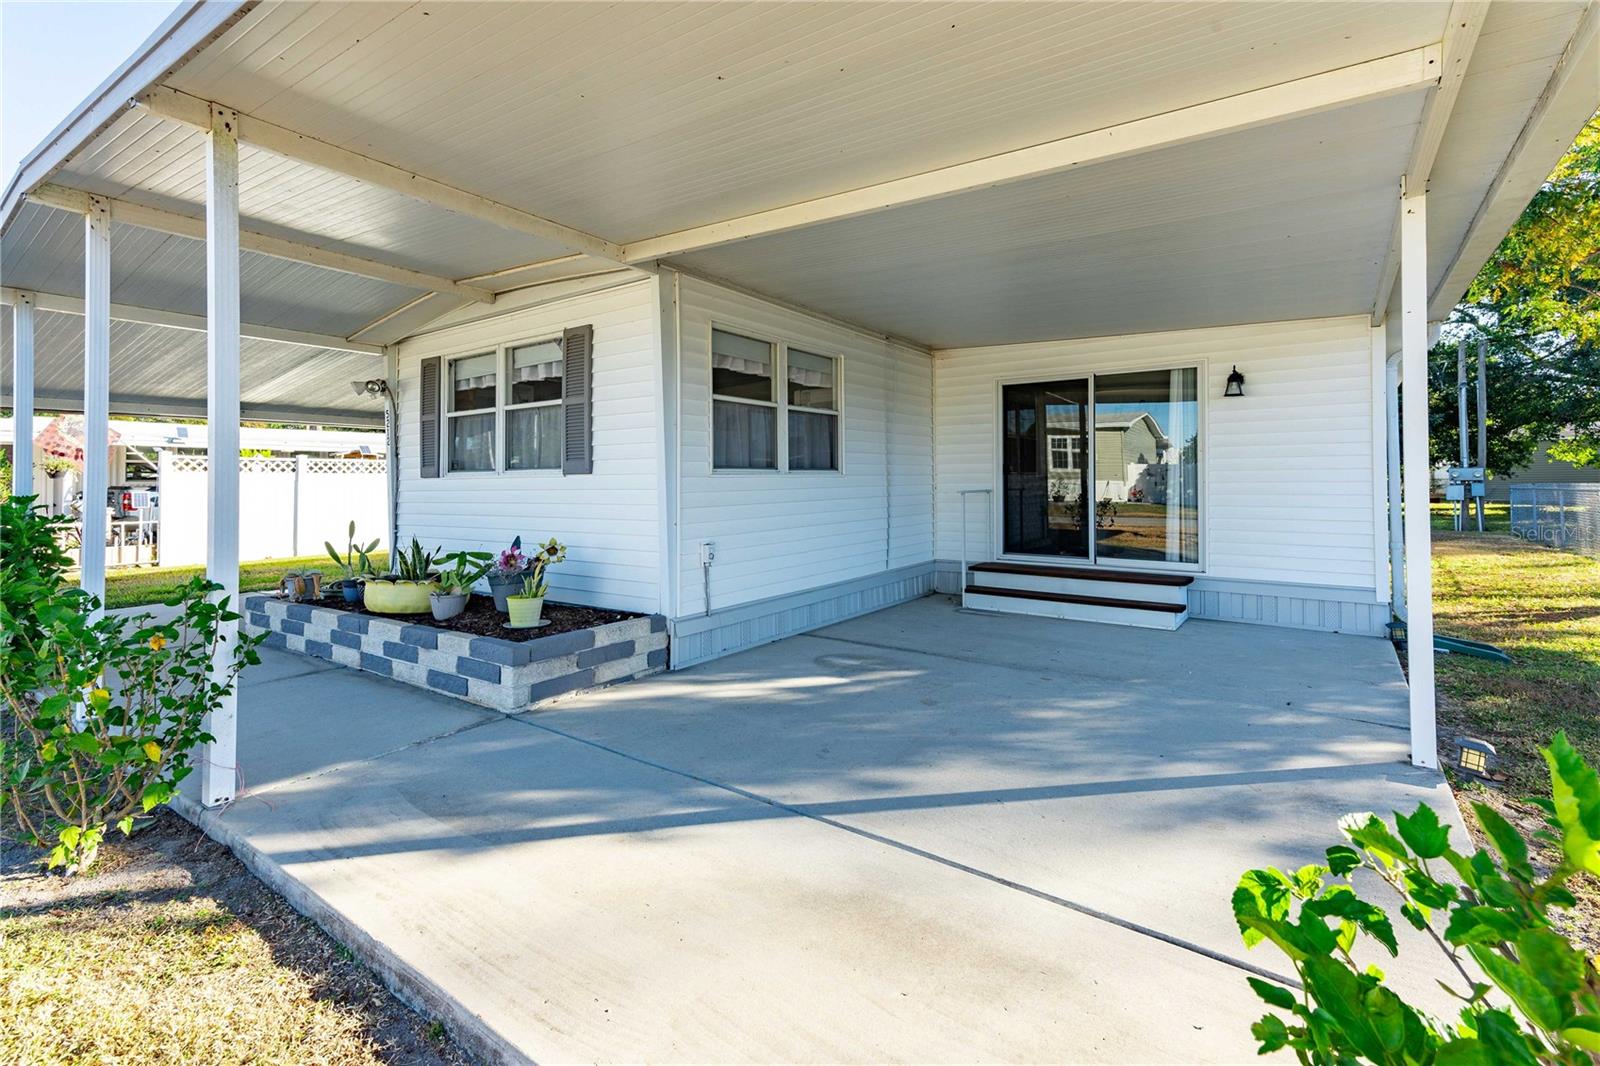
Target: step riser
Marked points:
1115	590
1079	612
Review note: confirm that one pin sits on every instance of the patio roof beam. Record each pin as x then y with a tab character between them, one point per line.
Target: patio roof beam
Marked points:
1404	72
178	106
1460	40
182	224
151	316
70	402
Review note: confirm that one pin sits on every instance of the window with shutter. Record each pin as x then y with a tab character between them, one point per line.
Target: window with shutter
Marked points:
577	401
428	415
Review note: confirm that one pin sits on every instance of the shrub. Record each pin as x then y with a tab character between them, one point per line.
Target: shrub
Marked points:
1527	994
103	713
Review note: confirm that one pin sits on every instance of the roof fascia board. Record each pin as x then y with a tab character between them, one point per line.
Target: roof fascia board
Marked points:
191	27
1572	93
1371	80
152	316
183	224
177	106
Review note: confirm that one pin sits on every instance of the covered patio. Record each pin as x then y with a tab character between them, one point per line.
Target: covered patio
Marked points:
922	835
311	188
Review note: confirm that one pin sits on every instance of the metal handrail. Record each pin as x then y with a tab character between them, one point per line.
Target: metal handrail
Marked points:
988	515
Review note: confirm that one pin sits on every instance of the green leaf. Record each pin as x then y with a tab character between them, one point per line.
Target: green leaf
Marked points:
1584	1032
1507	841
1367	831
1275	995
1575	793
1423	832
1342	859
1526	989
1271	1032
1553	962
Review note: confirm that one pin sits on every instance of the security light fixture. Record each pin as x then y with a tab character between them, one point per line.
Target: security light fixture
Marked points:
373	387
1235	384
1477	758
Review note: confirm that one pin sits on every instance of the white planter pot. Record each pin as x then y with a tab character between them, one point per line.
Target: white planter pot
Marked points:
446	605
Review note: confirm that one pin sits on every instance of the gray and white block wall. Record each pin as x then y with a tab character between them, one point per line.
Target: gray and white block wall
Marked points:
506	675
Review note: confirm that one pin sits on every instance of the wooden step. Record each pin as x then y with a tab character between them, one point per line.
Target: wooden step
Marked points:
1083	573
1067	597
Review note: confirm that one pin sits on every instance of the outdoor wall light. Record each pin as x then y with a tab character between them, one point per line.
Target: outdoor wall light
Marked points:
1477	758
374	387
1235	384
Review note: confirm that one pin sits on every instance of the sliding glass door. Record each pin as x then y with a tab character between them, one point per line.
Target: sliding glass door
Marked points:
1046	468
1129	492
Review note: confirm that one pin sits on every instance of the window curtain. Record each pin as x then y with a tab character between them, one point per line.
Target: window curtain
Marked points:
744	437
533	438
813	441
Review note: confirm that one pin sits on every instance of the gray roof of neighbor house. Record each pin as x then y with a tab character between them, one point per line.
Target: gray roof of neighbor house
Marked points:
954	174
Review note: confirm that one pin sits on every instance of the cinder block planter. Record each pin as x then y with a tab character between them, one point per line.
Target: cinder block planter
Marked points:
507	675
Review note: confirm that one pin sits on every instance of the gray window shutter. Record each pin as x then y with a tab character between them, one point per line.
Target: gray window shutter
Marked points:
428	412
577	400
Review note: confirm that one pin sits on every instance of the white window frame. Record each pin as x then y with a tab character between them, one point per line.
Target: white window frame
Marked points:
505	405
834	411
447	413
780	387
502	392
1202	368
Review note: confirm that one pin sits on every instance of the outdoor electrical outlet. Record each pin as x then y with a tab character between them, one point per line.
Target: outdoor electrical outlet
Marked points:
708	553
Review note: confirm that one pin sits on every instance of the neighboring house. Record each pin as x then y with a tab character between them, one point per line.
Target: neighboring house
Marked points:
1542	470
756	307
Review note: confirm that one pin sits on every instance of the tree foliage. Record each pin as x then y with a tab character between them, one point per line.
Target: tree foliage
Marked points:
1537	304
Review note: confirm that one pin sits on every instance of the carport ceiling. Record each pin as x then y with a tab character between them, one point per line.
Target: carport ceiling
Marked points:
428	136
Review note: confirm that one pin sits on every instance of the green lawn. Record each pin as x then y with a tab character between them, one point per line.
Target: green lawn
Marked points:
1496	517
137	586
1542	606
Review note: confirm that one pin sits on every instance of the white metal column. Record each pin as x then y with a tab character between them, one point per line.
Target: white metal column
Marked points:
1418	547
96	394
1397	543
218	769
22	394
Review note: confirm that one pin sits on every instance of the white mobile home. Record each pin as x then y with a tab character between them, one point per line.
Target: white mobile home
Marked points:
778	314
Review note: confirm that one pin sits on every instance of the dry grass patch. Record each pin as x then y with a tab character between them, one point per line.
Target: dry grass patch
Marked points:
171	952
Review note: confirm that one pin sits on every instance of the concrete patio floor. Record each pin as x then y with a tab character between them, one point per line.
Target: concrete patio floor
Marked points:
922	835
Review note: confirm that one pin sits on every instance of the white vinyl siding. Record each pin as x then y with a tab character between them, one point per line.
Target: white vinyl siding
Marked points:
608	519
1286	470
796	530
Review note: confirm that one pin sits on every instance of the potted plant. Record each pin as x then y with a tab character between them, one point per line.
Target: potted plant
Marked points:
526	605
455	583
405	589
507	572
353	564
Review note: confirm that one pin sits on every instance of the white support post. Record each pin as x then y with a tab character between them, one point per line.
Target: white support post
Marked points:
22	395
1418	471
96	395
218	767
1397	543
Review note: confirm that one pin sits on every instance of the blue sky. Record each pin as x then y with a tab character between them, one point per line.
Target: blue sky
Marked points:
52	55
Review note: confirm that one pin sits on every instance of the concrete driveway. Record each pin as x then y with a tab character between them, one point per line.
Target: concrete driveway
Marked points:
922	835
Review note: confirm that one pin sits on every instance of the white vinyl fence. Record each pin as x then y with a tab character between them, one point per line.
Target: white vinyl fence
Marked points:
287	507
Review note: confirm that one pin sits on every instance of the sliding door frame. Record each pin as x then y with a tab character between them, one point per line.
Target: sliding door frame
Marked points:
1201	367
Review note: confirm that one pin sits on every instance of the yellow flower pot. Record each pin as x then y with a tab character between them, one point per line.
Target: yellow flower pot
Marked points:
524	611
398	597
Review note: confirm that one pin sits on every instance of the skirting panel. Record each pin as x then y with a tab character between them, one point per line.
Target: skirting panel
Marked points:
701	638
1332	610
